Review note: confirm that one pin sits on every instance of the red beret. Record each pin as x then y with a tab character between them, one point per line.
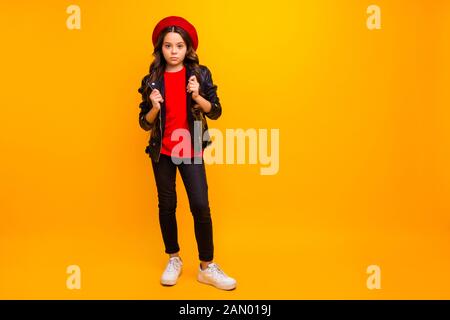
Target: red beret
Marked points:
179	22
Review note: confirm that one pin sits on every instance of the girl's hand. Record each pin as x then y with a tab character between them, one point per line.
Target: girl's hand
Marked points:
156	98
193	86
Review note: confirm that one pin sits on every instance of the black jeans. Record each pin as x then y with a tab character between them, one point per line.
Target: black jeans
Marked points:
194	179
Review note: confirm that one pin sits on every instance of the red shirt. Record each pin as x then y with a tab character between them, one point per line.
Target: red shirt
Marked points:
176	117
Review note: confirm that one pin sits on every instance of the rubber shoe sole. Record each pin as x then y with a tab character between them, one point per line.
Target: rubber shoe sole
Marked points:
168	283
222	287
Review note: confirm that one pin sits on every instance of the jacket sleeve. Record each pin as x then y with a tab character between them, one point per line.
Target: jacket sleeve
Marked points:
211	95
144	106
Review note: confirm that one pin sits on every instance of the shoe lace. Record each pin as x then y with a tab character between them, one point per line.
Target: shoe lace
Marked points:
173	265
216	271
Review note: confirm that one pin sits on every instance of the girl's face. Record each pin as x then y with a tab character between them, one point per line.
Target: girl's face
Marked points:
174	48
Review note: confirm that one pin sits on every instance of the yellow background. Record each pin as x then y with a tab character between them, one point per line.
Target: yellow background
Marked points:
364	173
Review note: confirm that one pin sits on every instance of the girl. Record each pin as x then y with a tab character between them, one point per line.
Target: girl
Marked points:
177	94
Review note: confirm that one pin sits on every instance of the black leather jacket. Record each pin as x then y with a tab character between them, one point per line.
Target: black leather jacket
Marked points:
208	90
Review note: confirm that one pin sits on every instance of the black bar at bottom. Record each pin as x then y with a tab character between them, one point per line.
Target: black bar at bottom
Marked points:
225	309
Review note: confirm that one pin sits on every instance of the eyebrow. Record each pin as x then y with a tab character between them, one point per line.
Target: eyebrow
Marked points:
170	43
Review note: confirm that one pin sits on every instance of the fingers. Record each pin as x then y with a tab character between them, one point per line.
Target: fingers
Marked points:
193	85
156	95
192	80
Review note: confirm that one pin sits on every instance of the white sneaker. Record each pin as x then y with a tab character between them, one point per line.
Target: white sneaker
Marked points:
213	275
172	271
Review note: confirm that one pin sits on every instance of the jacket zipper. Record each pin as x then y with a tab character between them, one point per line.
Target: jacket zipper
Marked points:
160	134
